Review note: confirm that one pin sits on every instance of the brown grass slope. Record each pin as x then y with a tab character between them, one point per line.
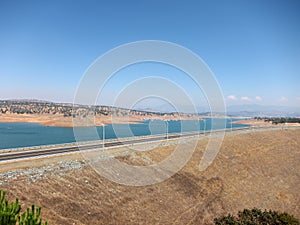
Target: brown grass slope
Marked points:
259	169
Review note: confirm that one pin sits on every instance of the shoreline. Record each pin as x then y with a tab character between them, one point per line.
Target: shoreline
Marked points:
58	120
61	121
261	123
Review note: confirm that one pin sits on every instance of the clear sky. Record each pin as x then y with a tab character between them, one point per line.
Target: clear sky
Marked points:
252	47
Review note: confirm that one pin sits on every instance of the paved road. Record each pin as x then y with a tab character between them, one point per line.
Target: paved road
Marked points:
7	156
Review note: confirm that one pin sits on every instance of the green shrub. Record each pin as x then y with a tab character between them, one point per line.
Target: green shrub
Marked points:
257	217
10	213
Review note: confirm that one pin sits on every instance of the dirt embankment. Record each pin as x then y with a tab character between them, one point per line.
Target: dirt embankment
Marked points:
62	121
260	169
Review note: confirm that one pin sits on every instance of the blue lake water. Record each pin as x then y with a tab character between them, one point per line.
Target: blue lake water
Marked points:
13	135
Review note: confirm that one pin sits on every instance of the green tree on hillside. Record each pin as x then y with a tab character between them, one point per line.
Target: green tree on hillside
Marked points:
257	217
10	213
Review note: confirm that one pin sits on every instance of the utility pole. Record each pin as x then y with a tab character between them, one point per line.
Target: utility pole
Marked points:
167	130
103	136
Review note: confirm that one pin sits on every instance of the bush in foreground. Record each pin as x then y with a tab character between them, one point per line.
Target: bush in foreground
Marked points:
257	217
10	213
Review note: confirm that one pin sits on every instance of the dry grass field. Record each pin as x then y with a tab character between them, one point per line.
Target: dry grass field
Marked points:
259	169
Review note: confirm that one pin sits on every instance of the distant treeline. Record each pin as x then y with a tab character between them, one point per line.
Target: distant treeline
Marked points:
277	120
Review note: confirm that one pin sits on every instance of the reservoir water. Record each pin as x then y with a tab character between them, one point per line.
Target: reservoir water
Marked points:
14	135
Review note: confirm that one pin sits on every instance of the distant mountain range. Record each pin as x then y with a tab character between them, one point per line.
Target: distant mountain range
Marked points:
263	110
247	110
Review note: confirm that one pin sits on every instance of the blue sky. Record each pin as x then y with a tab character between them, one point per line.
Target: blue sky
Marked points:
252	47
